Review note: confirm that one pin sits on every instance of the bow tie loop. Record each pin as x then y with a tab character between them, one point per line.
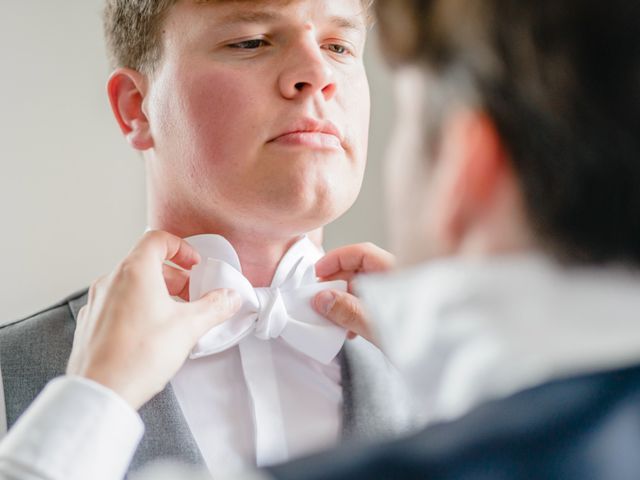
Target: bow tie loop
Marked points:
272	313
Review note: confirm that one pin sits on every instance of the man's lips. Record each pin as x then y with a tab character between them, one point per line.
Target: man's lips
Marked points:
310	133
309	139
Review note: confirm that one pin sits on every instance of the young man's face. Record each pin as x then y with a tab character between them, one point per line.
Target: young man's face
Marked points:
259	111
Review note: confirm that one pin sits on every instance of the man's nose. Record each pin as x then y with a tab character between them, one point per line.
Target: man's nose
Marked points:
306	73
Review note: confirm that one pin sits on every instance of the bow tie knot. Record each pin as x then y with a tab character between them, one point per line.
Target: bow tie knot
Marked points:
282	310
272	313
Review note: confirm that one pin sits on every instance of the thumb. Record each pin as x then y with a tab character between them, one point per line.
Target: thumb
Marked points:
345	310
212	309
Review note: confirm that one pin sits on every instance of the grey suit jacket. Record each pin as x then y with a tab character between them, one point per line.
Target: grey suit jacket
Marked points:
36	349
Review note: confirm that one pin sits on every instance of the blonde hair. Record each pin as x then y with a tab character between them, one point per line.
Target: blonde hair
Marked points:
132	31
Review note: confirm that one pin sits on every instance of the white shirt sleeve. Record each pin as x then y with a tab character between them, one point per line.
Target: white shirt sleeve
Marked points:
76	429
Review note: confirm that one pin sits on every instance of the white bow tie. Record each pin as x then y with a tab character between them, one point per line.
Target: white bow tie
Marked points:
281	310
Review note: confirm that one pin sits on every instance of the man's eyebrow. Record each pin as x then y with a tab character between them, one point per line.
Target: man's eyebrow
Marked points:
250	16
348	23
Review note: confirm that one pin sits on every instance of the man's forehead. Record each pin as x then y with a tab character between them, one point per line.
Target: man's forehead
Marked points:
257	10
277	3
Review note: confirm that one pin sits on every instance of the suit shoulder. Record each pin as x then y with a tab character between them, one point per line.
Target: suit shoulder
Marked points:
62	310
34	350
551	419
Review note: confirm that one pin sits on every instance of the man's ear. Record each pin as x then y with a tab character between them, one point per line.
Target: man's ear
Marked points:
126	89
473	167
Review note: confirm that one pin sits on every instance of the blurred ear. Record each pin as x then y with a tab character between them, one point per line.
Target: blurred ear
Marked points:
472	168
126	89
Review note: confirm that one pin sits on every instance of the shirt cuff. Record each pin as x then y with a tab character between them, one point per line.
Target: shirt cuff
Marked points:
76	429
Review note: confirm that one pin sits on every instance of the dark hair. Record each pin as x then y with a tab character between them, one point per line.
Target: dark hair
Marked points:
561	81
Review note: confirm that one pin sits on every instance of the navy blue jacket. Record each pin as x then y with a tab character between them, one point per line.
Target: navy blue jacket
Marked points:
582	428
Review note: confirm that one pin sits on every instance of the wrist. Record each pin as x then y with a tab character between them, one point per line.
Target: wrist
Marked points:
126	392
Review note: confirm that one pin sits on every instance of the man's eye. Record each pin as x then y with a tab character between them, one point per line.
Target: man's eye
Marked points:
249	44
339	49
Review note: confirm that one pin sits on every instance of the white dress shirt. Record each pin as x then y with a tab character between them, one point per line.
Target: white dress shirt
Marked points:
218	407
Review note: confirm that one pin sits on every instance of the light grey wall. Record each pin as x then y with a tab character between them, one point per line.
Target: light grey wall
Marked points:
71	191
365	220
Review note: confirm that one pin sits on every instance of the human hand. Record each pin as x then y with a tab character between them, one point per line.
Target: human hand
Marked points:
345	263
132	336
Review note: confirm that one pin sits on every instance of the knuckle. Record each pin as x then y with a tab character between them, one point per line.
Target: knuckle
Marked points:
100	282
154	237
355	313
224	307
93	289
126	270
232	301
347	308
153	234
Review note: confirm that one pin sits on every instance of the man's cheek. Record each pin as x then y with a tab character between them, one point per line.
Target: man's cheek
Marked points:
220	100
219	131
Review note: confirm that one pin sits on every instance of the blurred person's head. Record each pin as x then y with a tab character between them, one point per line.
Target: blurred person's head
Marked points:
252	116
518	127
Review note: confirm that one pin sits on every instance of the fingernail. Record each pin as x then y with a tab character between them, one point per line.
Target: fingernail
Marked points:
325	301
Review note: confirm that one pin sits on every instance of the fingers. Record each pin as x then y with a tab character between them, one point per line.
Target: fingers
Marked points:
347	276
160	246
353	259
177	281
212	309
345	310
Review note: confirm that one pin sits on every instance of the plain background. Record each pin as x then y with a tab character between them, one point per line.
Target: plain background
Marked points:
72	193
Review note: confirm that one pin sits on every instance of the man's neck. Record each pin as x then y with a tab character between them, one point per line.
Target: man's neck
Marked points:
259	254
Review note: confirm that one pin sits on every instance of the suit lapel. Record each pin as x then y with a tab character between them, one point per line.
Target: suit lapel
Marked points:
375	401
167	434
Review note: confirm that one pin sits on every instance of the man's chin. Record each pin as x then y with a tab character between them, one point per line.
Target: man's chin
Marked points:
295	221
